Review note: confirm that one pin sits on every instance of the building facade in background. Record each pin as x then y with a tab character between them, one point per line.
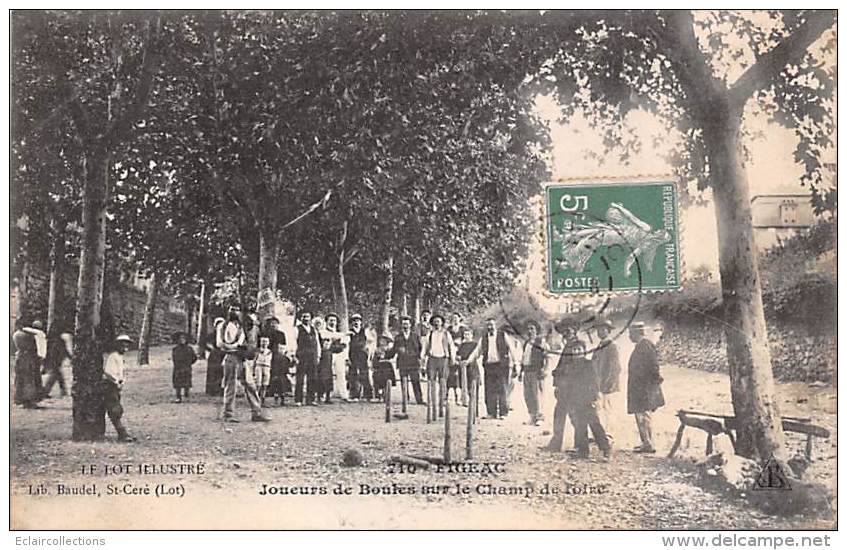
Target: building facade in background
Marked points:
778	217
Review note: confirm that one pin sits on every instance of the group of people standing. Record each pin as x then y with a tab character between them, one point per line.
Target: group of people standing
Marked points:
324	363
584	389
39	359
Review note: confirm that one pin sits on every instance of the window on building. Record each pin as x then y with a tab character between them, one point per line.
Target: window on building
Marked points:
788	212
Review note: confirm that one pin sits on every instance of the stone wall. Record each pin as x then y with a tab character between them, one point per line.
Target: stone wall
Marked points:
127	305
796	354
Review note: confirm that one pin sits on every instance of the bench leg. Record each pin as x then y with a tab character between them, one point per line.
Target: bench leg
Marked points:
731	439
809	447
677	441
709	444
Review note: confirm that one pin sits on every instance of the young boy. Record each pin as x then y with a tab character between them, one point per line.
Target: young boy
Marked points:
383	367
262	370
183	357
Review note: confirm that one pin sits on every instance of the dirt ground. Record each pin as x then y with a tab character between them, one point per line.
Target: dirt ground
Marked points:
301	449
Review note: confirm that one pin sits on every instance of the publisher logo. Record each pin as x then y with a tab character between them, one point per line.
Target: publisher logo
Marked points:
772	478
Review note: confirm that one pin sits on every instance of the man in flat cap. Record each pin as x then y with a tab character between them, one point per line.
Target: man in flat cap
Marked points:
644	387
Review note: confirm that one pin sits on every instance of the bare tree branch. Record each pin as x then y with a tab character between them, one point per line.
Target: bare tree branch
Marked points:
773	62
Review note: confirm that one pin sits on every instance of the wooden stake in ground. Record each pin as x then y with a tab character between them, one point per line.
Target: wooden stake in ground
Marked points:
404	393
442	390
388	401
475	402
430	401
471	421
448	439
463	374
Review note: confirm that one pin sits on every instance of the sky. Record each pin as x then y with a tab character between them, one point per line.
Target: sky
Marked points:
577	150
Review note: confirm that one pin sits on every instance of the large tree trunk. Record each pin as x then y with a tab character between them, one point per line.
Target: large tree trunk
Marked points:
268	266
417	311
55	294
205	290
387	292
342	307
751	376
147	323
404	305
88	415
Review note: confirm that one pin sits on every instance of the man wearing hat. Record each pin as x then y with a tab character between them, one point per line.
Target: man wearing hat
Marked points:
561	375
308	355
383	368
533	372
582	395
438	353
232	341
644	386
339	357
112	384
407	344
607	364
497	364
360	384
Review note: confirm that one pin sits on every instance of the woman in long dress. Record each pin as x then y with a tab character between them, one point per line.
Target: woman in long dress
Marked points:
27	368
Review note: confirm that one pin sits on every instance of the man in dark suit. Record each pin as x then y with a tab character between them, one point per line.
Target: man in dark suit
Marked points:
308	354
408	348
360	384
644	387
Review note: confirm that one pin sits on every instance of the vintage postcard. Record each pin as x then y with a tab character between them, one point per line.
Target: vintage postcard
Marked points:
423	269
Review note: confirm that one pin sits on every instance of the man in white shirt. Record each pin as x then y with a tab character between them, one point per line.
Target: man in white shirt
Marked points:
498	365
438	353
233	341
112	384
339	359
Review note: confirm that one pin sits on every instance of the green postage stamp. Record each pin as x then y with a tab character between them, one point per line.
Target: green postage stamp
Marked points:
616	236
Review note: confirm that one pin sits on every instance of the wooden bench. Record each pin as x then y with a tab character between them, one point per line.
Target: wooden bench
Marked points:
717	424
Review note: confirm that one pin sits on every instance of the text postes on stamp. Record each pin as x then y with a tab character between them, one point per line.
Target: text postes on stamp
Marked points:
635	224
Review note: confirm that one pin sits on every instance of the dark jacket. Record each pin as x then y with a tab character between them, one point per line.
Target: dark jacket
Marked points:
537	358
183	357
408	352
57	351
308	345
608	366
644	387
502	350
383	369
465	350
358	351
329	347
581	387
